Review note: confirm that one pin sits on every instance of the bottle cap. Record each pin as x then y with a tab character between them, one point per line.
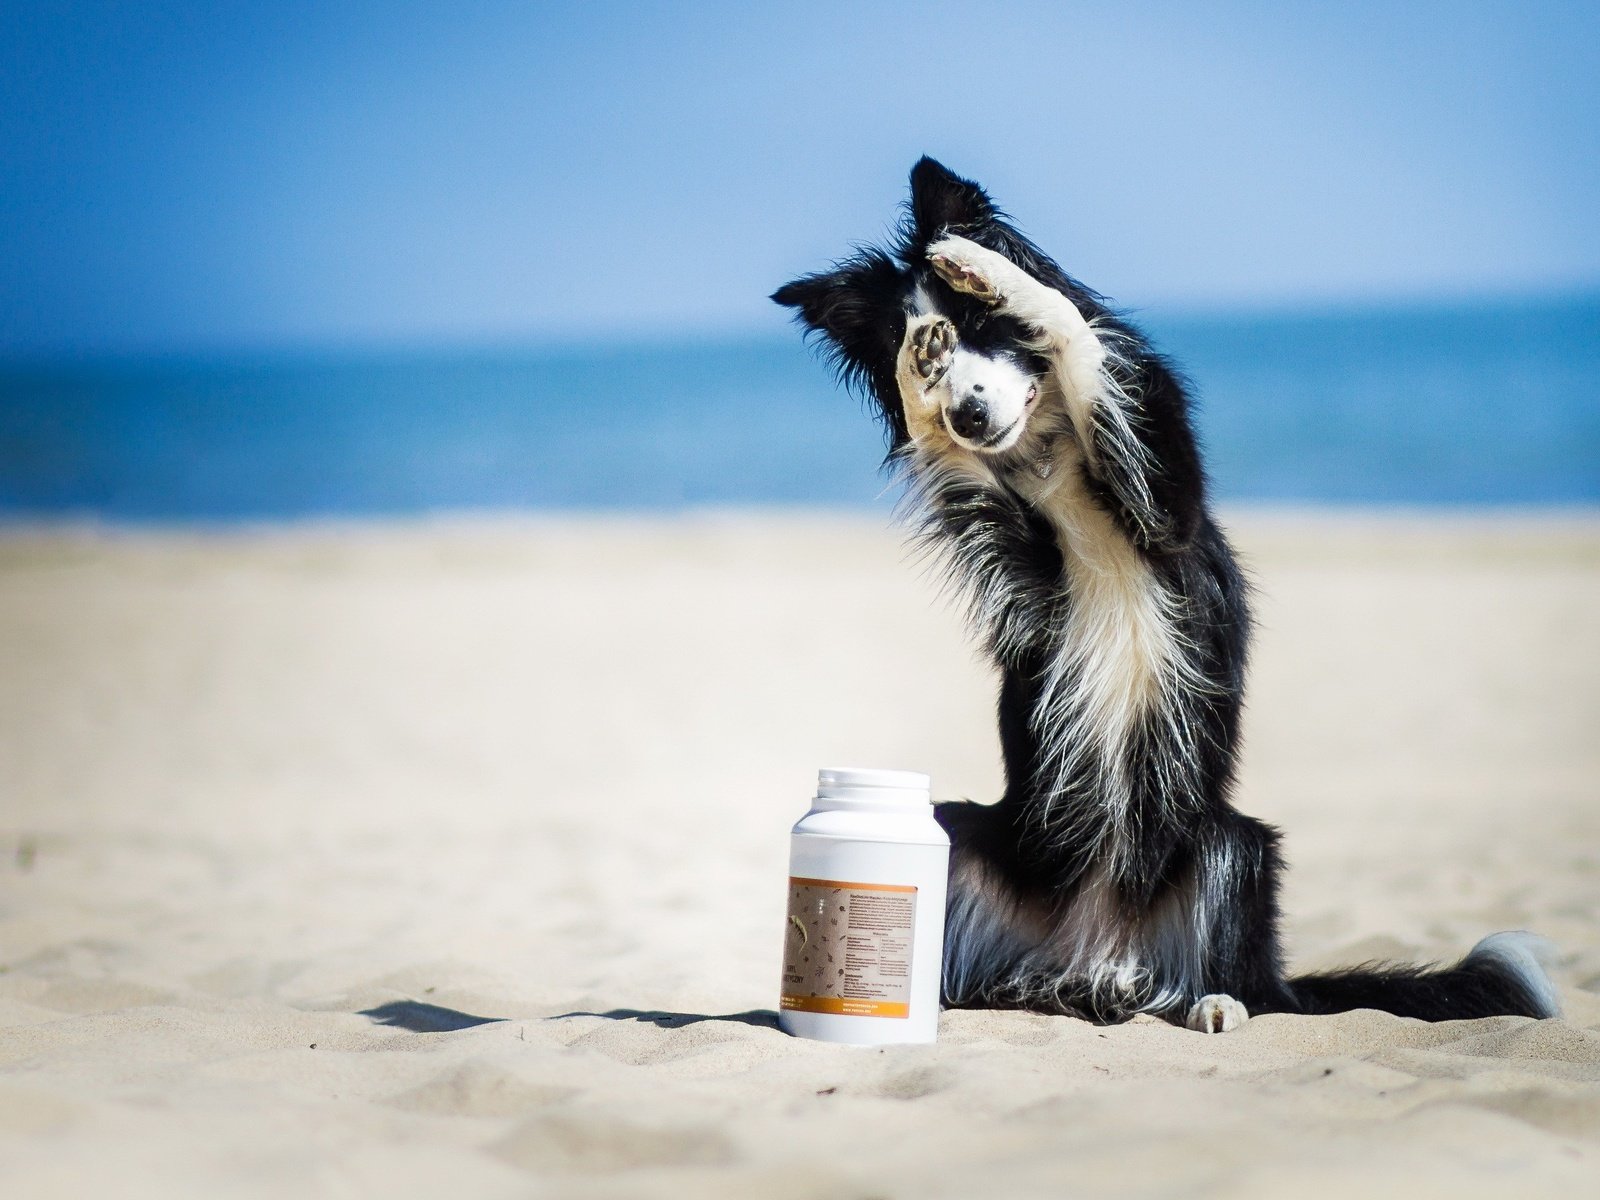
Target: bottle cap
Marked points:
871	786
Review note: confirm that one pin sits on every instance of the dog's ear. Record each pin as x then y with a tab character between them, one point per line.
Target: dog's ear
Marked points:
942	200
859	309
855	306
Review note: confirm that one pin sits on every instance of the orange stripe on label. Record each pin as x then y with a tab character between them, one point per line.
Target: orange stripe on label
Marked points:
797	881
842	1007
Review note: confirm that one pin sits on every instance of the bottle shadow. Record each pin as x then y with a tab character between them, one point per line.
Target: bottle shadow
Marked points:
417	1017
762	1018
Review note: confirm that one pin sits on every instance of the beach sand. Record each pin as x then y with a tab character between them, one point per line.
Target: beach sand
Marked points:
447	859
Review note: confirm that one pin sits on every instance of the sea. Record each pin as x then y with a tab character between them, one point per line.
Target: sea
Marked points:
1482	405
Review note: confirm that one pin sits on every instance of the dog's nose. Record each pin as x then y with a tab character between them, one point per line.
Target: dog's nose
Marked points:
968	417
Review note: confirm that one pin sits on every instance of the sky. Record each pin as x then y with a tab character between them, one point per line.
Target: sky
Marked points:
182	177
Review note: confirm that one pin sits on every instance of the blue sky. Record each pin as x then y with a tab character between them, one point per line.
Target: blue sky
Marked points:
177	176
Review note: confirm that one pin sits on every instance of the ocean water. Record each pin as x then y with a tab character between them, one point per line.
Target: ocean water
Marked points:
1464	405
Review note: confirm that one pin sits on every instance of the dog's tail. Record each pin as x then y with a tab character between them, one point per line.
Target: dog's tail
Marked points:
1503	975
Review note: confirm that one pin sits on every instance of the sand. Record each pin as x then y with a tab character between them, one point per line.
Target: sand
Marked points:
446	859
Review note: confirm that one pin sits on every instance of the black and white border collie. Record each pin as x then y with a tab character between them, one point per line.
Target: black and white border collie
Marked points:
1050	456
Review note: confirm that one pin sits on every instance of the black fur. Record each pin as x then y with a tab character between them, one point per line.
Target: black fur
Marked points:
1191	889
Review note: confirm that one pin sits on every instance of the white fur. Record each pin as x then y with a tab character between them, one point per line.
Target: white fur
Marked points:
1150	965
1120	658
1525	955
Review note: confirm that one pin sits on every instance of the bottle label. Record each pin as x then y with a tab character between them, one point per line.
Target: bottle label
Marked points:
847	949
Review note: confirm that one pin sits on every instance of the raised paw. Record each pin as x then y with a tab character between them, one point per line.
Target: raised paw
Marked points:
933	345
1216	1014
964	278
960	264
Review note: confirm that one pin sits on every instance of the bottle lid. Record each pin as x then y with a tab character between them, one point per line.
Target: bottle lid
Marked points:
865	785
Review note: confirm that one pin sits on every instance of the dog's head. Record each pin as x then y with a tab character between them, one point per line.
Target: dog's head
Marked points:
862	308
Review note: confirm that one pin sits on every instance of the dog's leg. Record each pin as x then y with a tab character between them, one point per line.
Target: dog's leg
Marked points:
925	355
1235	914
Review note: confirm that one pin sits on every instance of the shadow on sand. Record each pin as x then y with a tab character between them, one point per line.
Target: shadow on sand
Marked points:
763	1018
433	1018
424	1018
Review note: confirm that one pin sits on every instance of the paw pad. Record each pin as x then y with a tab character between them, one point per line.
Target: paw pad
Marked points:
963	278
932	346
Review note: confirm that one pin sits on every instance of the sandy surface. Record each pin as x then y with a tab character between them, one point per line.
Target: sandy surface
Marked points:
253	787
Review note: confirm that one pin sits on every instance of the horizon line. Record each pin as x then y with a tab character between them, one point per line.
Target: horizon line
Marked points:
595	338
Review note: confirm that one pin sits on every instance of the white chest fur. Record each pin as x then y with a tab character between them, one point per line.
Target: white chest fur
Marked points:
1117	660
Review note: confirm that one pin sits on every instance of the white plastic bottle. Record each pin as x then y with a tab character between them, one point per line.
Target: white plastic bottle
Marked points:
864	939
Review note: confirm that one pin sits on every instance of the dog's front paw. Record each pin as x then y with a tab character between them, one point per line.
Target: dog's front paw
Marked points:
967	267
931	346
1217	1014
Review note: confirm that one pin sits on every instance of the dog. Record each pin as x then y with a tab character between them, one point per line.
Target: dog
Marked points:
1052	467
